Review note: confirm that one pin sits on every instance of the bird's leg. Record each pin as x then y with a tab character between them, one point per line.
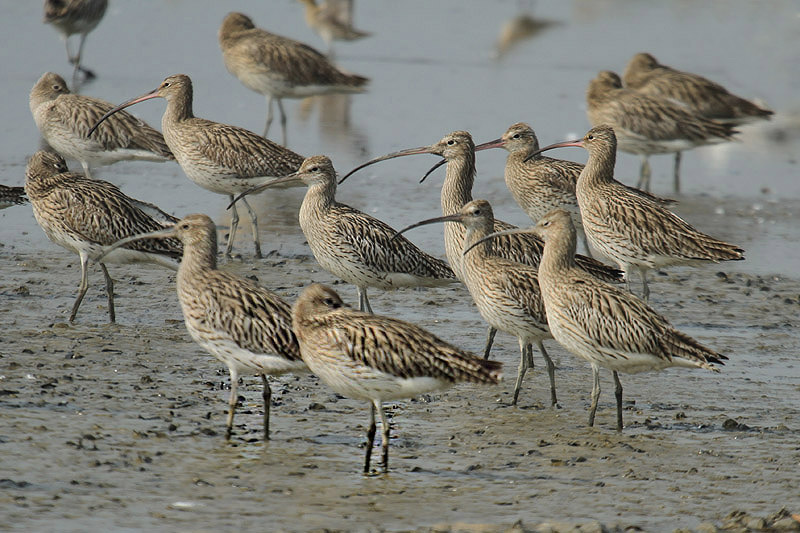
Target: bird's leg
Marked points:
370	436
489	341
112	316
84	286
595	393
385	435
86	171
267	394
524	361
88	74
234	225
254	222
363	301
645	287
644	175
551	373
676	183
269	115
283	122
618	394
233	399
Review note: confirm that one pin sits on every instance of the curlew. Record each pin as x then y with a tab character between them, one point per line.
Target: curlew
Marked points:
458	152
75	16
279	67
711	100
83	215
245	326
505	292
220	158
541	184
64	120
647	125
332	20
376	358
602	324
354	246
632	230
11	196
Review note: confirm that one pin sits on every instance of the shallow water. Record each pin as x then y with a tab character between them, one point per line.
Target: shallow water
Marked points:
119	427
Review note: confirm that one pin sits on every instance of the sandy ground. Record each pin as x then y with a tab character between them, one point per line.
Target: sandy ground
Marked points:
121	426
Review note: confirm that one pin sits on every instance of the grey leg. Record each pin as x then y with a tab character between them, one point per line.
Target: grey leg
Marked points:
595	393
86	171
645	288
370	437
283	122
363	301
112	316
254	222
385	435
269	115
234	225
676	183
84	286
551	373
524	362
232	401
618	394
644	175
267	394
489	341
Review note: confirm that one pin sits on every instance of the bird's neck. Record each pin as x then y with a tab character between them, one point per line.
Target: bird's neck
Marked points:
480	252
318	200
559	252
457	187
599	168
178	110
198	257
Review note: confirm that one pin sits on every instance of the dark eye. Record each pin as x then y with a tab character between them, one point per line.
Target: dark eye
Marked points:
56	87
590	137
165	84
330	302
545	223
451	142
185	225
517	136
314	169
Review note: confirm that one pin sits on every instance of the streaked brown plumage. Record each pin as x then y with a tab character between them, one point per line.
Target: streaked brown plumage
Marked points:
332	20
458	153
75	16
83	215
605	326
279	67
221	158
505	292
647	125
539	183
637	233
646	75
354	246
377	358
243	325
10	196
64	120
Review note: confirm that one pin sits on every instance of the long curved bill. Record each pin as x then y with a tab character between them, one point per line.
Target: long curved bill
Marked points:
577	142
283	180
515	231
123	105
448	218
497	143
159	234
401	153
434	167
